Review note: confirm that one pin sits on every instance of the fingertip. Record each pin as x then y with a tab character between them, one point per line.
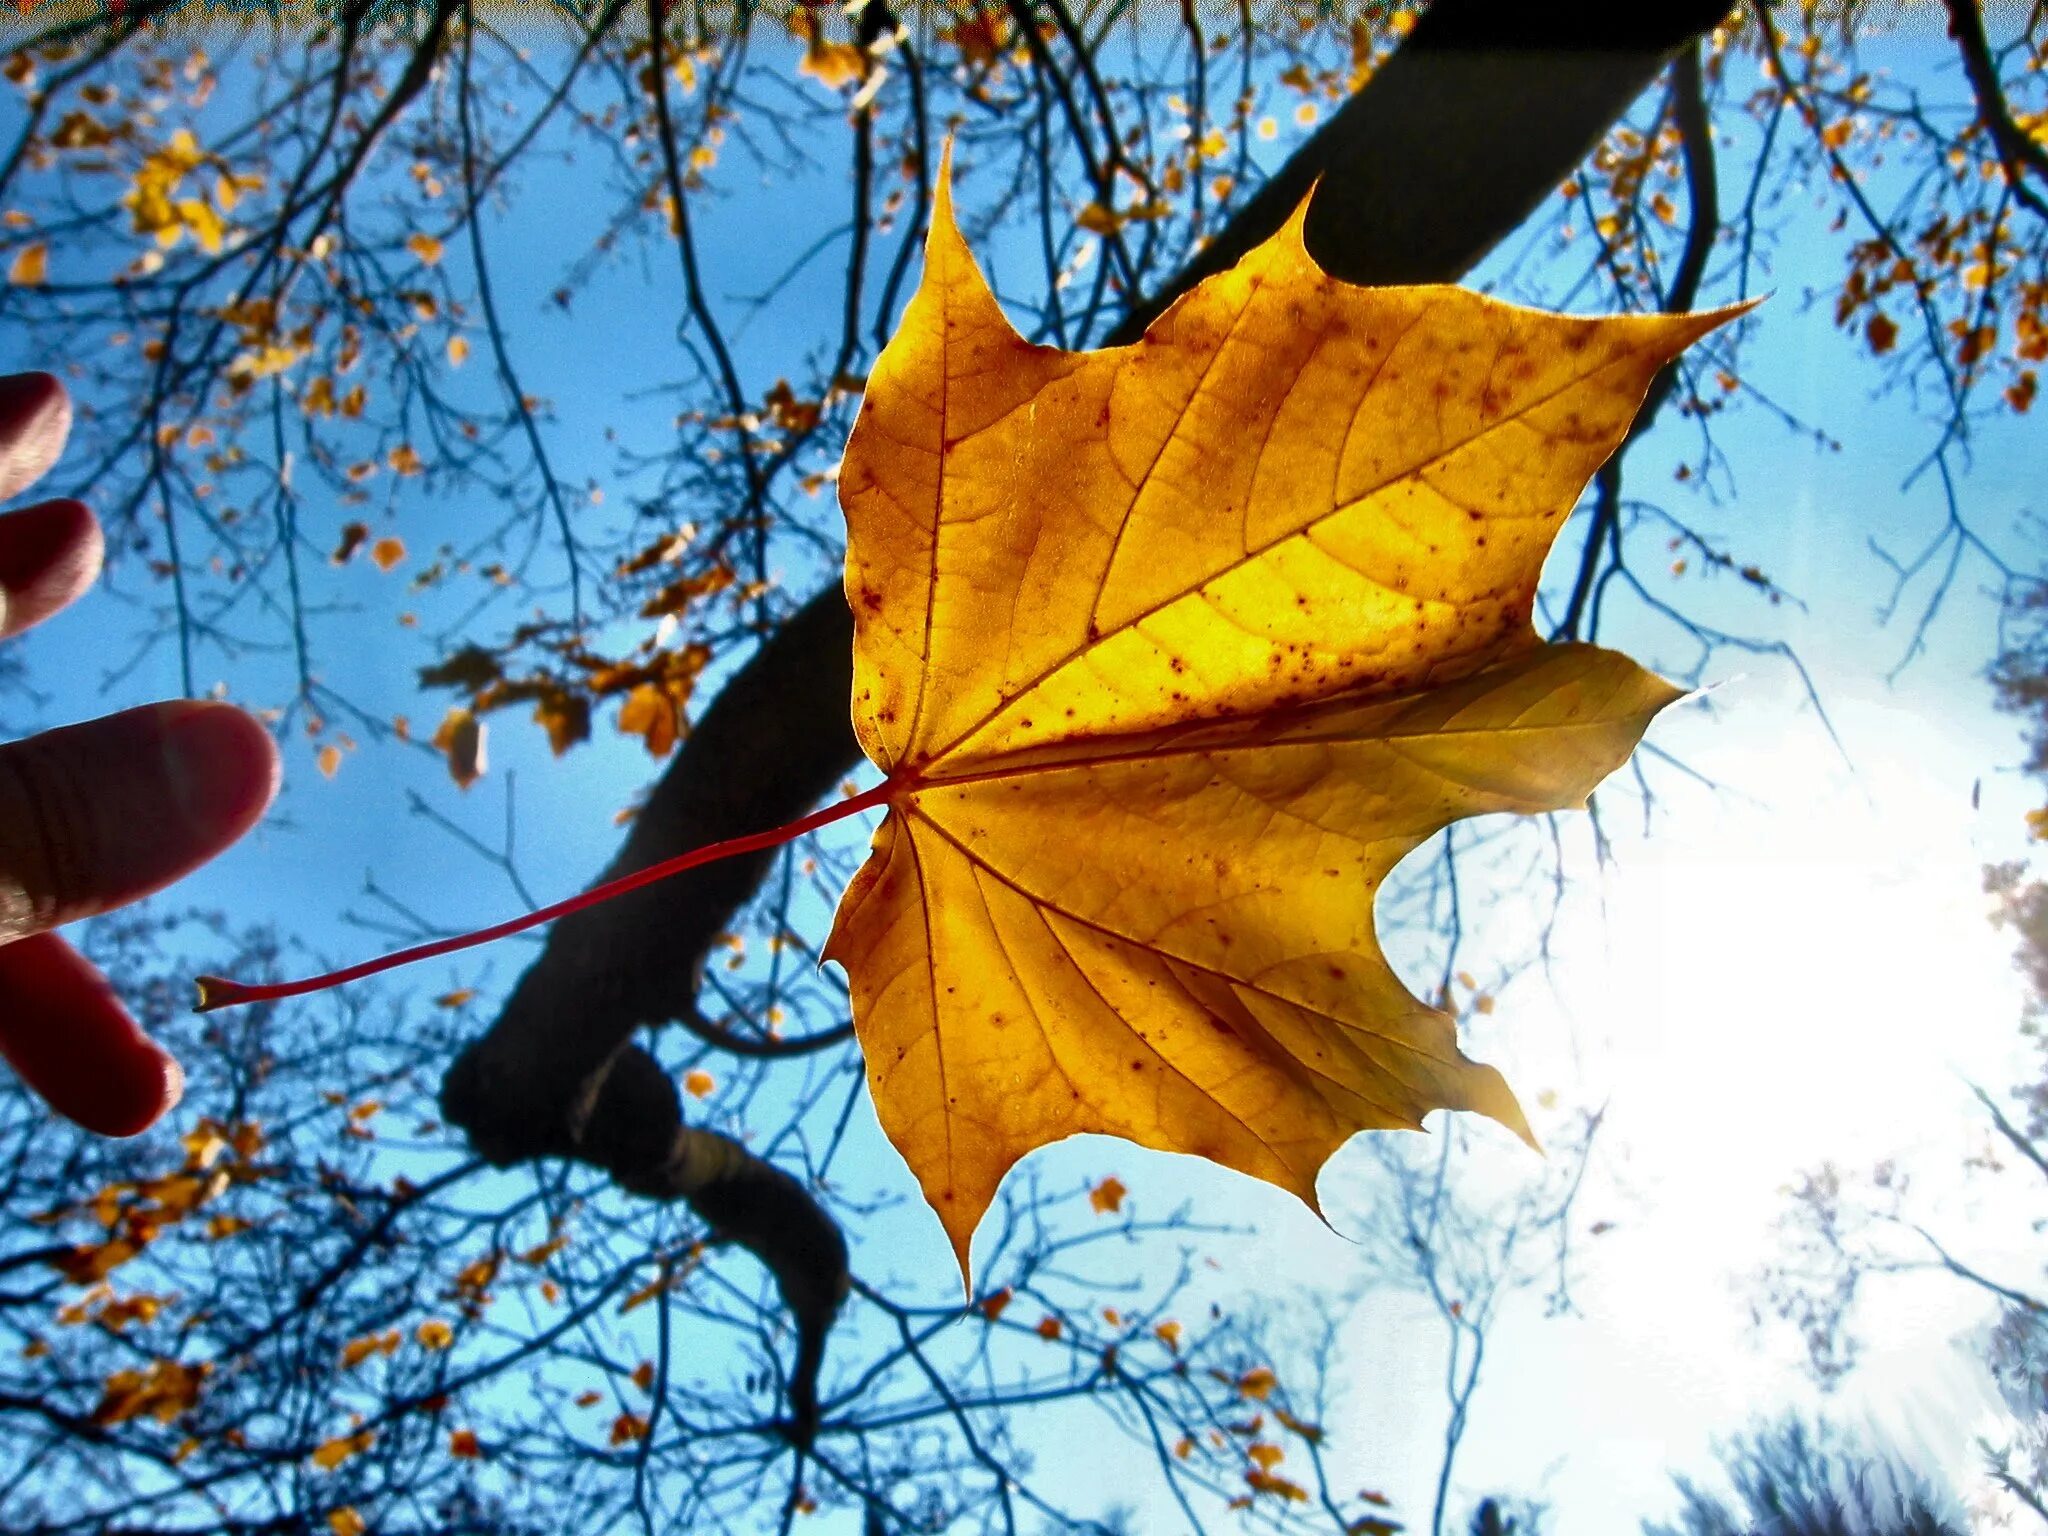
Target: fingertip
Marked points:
65	1032
99	814
223	766
49	555
128	1102
35	418
171	1092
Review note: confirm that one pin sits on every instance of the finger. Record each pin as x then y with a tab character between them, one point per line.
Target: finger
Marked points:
96	815
64	1031
49	555
35	418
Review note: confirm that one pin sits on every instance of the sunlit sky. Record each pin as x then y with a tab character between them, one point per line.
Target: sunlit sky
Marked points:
1791	968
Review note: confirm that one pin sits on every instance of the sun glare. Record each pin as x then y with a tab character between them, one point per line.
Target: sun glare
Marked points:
1812	979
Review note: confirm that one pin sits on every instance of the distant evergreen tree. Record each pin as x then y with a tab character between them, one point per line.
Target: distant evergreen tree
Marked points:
1794	1480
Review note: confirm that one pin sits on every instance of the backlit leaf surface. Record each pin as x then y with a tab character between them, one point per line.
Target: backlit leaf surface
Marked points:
1170	653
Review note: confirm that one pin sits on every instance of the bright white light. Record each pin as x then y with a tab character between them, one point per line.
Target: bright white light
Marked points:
1762	985
1805	980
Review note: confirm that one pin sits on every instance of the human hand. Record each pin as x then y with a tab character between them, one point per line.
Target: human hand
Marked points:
97	815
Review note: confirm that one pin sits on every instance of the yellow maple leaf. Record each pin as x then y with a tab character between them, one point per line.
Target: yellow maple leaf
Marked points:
424	246
1170	653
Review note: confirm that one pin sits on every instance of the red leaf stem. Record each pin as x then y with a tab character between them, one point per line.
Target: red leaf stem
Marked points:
219	992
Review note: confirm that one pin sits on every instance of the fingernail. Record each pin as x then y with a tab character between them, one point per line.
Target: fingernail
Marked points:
174	1081
221	765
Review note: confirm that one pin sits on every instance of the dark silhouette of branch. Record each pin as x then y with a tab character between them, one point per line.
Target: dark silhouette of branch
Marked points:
2019	1139
2017	152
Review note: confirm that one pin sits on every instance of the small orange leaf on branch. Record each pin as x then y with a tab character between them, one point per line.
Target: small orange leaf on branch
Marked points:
162	1390
1257	1383
330	1454
31	265
461	739
1279	1487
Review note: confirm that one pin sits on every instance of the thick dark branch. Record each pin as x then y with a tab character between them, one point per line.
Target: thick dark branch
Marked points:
1457	139
2017	152
641	1141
